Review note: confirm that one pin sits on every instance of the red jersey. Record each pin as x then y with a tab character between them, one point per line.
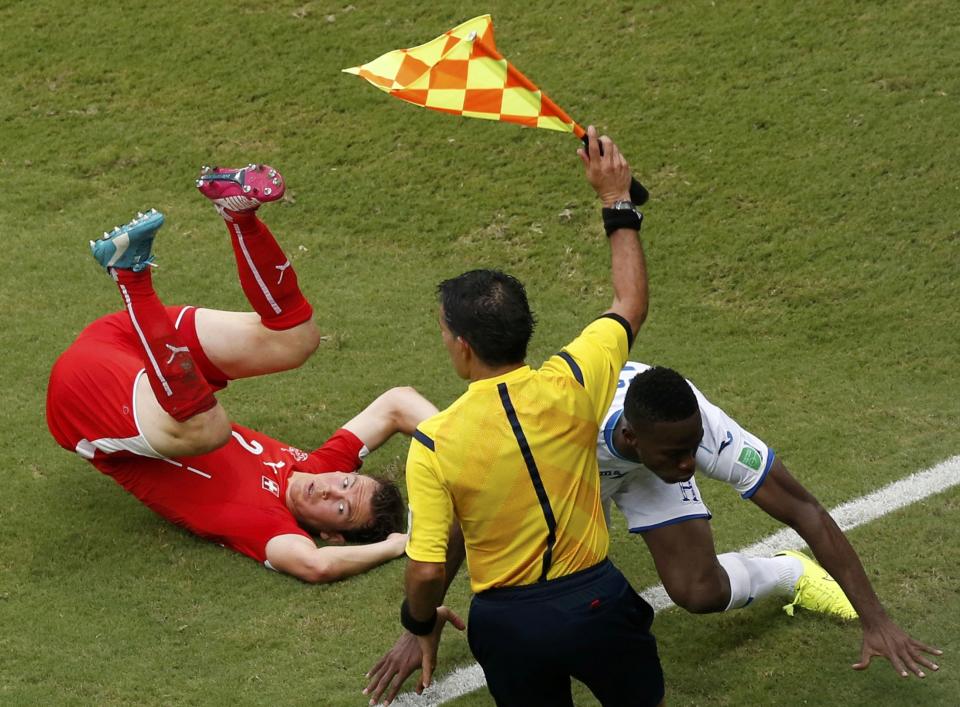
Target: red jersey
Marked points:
234	495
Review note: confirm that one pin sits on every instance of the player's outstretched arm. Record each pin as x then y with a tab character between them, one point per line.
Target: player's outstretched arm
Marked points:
392	670
299	556
785	498
609	175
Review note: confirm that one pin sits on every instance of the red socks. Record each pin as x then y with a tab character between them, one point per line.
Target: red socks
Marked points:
267	278
177	383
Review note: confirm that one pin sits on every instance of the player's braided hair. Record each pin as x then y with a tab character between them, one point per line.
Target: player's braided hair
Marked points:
389	514
659	394
489	310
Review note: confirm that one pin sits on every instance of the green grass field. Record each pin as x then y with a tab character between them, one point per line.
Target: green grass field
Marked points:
803	240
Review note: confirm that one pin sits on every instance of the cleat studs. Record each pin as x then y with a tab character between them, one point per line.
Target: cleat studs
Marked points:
206	169
139	214
105	236
272	173
267	191
246	188
276	182
199	183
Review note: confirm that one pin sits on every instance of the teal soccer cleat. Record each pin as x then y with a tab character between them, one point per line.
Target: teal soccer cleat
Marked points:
127	247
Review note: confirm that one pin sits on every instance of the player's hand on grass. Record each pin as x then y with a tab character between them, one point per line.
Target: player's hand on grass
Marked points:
905	653
393	669
430	643
608	173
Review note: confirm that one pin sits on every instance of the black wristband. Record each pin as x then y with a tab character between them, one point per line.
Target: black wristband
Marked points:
615	219
417	628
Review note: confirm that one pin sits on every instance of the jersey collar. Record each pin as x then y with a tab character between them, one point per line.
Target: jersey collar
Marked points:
514	375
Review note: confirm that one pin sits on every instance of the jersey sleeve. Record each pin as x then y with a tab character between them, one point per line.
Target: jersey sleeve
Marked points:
249	530
431	506
594	359
730	453
344	451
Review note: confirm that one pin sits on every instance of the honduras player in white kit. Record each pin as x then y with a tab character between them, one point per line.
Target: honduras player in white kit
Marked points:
658	431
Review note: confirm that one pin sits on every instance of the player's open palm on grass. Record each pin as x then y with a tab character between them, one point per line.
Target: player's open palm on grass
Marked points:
409	653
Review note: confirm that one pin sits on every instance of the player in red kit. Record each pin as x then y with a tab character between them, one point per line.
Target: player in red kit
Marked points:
134	395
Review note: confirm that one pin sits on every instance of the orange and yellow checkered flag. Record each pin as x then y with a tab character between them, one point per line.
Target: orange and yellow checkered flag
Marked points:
461	72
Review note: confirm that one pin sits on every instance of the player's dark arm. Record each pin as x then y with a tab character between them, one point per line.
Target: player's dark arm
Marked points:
424	583
609	174
389	673
423	613
784	498
430	580
300	557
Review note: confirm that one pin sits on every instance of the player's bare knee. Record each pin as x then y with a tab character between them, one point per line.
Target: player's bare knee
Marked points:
307	340
301	342
290	348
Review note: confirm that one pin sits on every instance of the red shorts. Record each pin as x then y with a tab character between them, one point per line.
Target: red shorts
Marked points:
90	407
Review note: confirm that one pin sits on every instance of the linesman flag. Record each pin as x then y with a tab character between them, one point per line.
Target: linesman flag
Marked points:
461	72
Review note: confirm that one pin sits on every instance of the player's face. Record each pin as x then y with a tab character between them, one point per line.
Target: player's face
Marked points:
669	449
332	502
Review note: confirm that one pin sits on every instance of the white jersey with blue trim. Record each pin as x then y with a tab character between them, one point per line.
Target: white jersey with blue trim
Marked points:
727	452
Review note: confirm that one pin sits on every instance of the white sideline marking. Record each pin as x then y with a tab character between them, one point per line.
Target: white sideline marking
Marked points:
913	488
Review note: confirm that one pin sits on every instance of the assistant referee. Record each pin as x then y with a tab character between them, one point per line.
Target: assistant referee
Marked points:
513	461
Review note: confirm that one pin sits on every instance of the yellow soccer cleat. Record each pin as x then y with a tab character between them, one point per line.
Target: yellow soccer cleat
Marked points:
818	591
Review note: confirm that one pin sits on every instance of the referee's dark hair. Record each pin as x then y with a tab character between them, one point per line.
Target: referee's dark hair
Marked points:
389	515
659	394
489	310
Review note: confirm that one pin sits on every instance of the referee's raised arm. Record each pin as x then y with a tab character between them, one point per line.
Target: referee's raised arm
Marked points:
609	174
512	462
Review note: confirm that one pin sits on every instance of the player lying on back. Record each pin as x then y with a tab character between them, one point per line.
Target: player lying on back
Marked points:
659	431
134	395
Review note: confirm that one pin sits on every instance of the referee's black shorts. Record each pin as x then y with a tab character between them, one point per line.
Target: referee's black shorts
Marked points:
590	625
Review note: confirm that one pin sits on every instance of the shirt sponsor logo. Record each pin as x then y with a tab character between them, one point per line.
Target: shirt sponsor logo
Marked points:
612	473
268	484
275	466
297	454
750	458
726	443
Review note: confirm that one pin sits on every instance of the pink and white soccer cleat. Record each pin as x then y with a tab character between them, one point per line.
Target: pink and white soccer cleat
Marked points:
243	189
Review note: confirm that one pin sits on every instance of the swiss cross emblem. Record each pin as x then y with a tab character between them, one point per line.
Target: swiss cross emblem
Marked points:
268	484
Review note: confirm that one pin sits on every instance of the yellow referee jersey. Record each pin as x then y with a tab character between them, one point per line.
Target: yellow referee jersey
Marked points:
515	458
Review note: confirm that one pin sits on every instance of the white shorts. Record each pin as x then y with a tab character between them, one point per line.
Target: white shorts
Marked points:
648	502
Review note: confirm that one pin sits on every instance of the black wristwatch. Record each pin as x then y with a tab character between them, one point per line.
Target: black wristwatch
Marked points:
623	214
